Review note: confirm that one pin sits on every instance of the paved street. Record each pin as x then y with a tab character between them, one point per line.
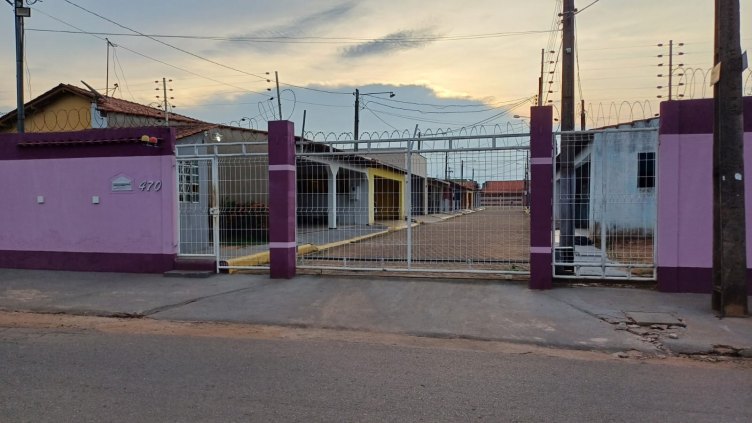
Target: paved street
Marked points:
583	318
85	369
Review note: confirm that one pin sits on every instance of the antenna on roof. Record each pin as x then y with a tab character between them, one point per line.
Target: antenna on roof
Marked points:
96	93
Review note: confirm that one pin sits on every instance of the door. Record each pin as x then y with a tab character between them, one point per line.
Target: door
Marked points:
198	207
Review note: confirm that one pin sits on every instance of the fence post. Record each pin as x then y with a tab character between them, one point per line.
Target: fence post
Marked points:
282	193
541	200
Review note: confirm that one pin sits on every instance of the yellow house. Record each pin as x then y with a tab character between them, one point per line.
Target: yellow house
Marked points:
70	108
386	195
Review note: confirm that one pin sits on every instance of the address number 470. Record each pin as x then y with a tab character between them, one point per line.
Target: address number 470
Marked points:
150	185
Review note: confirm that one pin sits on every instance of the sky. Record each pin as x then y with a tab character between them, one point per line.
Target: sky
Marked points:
451	64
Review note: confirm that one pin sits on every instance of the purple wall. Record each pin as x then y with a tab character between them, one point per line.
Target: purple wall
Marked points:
282	195
541	189
127	231
685	195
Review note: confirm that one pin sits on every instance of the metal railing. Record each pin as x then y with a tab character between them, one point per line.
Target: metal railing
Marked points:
438	204
605	190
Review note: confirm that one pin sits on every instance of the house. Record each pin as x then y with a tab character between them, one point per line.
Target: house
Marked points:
67	108
503	193
614	179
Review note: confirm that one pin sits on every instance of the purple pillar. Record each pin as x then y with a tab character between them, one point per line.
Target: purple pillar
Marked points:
542	193
282	199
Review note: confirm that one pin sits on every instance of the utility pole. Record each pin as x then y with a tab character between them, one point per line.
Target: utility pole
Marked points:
107	78
582	114
164	91
21	12
566	156
279	99
357	118
670	67
165	99
540	79
729	236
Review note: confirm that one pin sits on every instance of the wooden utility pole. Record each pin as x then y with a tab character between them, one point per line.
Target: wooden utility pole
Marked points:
166	111
279	99
357	118
729	235
540	79
20	12
566	156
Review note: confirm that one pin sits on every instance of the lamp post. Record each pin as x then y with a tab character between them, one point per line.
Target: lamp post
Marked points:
357	95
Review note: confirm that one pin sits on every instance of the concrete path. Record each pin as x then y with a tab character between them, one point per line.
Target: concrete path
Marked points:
591	318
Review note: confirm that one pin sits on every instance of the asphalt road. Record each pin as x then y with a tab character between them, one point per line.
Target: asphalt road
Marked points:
86	374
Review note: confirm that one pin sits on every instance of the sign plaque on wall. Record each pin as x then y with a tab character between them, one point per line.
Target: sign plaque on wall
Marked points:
122	184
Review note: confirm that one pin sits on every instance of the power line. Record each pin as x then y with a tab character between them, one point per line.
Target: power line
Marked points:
443	106
296	40
436	112
152	58
162	42
379	117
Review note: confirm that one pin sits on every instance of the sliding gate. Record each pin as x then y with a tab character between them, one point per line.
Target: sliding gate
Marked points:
432	204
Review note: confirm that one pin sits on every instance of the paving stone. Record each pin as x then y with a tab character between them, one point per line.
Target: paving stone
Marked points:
644	318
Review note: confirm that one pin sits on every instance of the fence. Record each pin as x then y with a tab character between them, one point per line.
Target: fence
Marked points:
223	196
438	204
605	204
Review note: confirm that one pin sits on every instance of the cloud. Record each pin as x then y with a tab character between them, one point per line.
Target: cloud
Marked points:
300	27
396	41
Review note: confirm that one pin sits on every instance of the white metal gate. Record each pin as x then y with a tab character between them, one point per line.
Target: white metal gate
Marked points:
605	190
442	204
197	207
223	196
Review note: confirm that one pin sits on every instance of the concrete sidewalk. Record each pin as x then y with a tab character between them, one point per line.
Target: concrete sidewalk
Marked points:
590	318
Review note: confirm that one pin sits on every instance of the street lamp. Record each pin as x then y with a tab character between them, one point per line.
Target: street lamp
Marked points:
357	95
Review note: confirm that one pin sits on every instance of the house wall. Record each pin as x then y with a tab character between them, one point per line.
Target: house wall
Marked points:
49	219
386	174
352	207
70	113
419	164
685	202
615	197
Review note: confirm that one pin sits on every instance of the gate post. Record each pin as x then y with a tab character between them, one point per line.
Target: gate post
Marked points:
282	193
541	200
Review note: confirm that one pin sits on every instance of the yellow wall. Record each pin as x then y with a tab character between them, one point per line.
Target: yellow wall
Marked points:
70	113
386	174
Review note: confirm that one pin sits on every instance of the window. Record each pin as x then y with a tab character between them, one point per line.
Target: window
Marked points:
189	183
646	170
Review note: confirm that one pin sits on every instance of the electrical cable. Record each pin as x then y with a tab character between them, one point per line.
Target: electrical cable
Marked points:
154	59
164	43
296	40
379	118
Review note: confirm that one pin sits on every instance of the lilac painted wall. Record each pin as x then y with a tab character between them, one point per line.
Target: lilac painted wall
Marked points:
122	222
685	209
49	219
684	254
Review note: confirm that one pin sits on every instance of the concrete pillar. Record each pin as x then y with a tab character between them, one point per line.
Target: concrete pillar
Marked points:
282	193
541	187
332	171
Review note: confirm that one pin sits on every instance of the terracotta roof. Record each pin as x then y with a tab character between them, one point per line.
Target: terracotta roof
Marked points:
186	130
118	105
185	126
503	186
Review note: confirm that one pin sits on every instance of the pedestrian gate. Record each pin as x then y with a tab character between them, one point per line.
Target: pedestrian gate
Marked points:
605	190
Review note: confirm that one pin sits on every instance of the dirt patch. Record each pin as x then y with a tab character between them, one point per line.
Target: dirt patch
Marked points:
66	323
